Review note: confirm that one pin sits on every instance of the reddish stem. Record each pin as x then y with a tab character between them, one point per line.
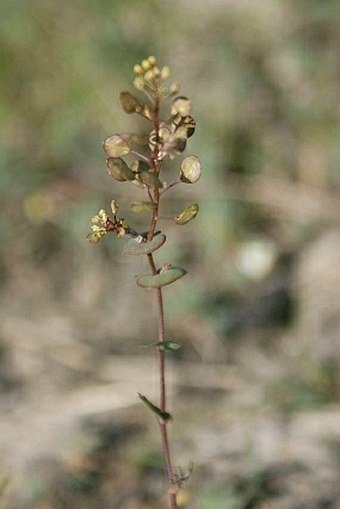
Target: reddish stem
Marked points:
162	391
161	325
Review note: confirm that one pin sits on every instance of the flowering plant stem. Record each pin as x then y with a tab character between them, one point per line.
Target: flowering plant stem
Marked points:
161	331
166	140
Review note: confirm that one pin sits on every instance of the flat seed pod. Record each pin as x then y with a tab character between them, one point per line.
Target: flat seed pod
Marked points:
137	166
130	103
181	105
147	112
190	170
190	125
179	145
184	126
159	280
119	170
187	214
116	146
133	247
150	179
139	139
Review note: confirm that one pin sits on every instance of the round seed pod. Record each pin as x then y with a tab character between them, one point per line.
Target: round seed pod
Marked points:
191	170
182	106
119	170
150	179
158	280
116	146
133	247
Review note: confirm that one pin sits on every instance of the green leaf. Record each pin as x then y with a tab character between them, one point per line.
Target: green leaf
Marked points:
158	280
165	416
165	345
143	206
133	247
169	345
187	214
116	146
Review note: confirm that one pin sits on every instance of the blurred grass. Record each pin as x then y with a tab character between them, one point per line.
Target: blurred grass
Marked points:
264	81
262	78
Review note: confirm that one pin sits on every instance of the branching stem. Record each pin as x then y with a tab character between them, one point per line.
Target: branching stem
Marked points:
166	139
161	326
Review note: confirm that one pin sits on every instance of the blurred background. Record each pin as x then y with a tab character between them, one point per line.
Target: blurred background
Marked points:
255	389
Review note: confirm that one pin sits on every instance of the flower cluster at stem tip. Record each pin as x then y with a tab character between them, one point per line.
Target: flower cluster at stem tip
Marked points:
137	158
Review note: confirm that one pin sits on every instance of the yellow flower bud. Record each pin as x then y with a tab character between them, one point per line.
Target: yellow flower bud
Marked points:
138	69
146	64
152	60
165	72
